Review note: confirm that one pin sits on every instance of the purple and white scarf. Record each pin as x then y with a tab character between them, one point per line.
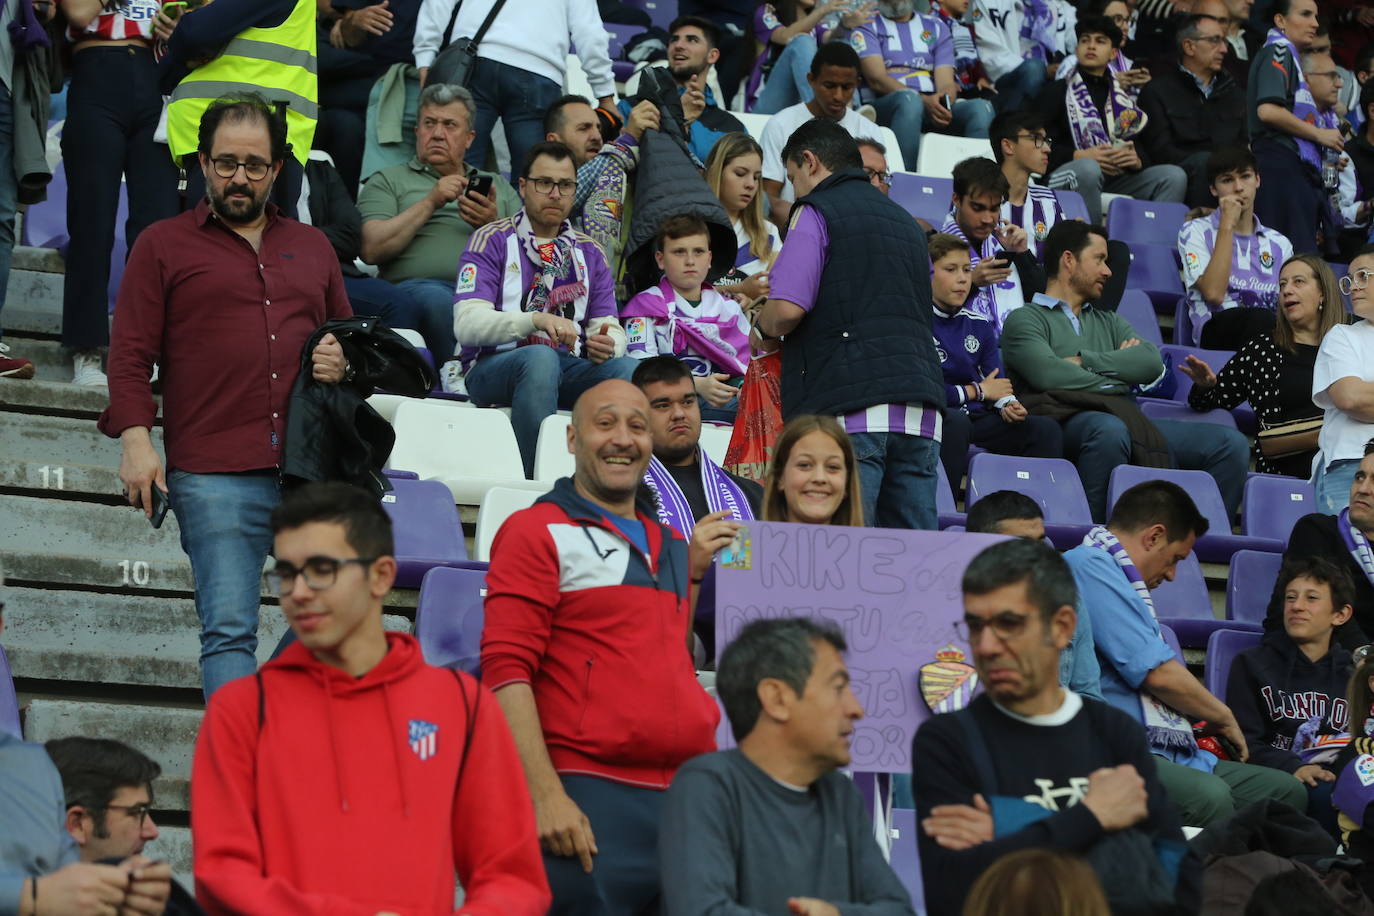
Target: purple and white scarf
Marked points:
1037	29
1304	106
1119	63
1357	544
721	493
546	294
714	334
1165	728
1086	122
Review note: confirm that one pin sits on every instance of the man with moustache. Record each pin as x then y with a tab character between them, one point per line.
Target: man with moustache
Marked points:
222	298
585	640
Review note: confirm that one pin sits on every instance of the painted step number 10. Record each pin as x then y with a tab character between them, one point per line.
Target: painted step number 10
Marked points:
136	572
52	476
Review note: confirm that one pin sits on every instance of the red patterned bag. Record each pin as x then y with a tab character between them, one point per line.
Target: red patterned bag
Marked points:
758	419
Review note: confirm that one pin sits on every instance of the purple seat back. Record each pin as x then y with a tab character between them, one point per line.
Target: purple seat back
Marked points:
1135	307
427	530
1250	584
1146	222
1214	358
9	701
1272	505
661	12
905	860
1154	270
448	618
1160	409
1183	323
1200	485
1172	639
1072	204
1222	648
925	196
1051	482
1186	596
944	499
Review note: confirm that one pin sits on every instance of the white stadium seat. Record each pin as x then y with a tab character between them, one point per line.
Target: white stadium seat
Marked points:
552	459
499	504
940	154
715	441
468	450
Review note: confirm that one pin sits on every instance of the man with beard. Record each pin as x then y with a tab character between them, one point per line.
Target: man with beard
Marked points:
223	298
585	645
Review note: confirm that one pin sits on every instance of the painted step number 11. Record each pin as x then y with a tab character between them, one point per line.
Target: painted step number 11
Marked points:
52	477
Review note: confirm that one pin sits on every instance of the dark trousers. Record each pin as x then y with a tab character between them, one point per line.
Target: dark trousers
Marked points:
380	299
519	98
624	878
342	129
1199	193
1034	437
112	111
1288	198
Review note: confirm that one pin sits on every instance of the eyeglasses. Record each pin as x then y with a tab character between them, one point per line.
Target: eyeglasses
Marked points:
1039	141
228	167
1209	39
1358	280
139	812
1329	74
883	177
1007	626
545	186
319	573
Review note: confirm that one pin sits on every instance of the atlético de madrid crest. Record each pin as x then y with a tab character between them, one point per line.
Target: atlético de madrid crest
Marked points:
947	684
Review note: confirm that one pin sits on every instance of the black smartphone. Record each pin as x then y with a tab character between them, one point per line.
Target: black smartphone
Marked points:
480	185
945	100
160	506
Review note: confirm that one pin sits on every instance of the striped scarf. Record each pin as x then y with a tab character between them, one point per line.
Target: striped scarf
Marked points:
1357	544
673	508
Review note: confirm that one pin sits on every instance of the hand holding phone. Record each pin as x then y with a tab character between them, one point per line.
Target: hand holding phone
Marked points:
480	186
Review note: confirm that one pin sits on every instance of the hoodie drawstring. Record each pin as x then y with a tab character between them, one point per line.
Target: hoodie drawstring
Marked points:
334	744
395	751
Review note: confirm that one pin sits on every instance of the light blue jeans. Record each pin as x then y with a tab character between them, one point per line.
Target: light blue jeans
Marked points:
898	475
224	521
905	113
8	191
786	84
1333	485
535	381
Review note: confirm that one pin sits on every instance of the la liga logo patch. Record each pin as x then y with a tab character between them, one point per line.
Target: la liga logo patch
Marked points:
467	278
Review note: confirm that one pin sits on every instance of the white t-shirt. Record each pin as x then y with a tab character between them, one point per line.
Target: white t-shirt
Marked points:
997	29
779	128
1347	350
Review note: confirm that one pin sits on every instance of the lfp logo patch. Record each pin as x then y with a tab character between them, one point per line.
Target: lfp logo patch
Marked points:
424	738
467	278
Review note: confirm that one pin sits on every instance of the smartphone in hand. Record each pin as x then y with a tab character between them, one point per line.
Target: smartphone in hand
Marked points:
160	506
480	186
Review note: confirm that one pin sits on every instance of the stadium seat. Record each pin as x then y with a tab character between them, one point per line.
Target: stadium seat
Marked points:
895	162
905	861
1052	482
1186	607
1214	358
715	441
1183	323
1154	271
753	123
9	701
944	499
1136	309
499	504
1250	584
1145	222
468	450
618	36
1217	545
552	459
1072	203
1272	505
1171	640
1222	648
427	529
923	196
662	12
940	153
1160	409
448	617
397	474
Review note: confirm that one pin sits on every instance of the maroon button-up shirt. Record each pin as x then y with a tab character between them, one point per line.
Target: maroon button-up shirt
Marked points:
226	325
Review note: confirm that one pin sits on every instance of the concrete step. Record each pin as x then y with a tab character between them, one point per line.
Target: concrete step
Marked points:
50	361
59	440
54	398
116	534
101	484
33	301
173	846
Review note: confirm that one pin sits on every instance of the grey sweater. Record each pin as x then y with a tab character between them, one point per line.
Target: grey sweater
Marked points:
733	841
33	841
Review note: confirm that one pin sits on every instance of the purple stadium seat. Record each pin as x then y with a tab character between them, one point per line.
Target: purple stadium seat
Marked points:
1160	409
1136	309
1072	204
1272	505
1052	482
619	36
662	12
9	702
1212	547
925	196
944	499
1146	222
1183	323
1222	648
1187	608
1154	271
1338	271
448	618
905	862
398	474
1250	583
1171	638
427	530
1214	358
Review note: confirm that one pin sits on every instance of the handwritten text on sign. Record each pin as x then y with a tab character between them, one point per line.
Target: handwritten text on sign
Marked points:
894	593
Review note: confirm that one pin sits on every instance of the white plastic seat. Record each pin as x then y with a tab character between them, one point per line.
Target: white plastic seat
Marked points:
499	504
552	459
715	441
940	154
468	450
753	123
895	162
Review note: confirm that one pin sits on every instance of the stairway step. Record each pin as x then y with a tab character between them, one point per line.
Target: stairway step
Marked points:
54	398
116	533
72	480
33	303
51	362
57	440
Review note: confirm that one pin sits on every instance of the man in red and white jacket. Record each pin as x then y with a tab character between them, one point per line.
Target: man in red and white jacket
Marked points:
586	647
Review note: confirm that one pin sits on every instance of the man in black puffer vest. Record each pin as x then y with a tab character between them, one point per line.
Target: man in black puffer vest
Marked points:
851	292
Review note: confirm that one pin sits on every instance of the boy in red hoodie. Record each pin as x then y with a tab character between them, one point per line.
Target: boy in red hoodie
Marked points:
347	777
585	643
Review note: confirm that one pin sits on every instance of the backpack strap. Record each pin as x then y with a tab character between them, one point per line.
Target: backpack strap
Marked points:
448	32
470	709
978	747
262	700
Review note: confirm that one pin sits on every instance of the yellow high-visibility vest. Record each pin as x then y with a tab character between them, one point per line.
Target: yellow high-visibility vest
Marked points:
278	64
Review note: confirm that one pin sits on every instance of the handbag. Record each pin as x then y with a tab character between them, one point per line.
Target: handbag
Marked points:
1292	438
758	419
455	62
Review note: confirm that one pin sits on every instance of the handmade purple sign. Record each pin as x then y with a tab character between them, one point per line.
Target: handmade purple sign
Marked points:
894	593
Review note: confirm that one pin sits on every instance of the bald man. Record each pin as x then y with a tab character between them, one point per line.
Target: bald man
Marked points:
585	644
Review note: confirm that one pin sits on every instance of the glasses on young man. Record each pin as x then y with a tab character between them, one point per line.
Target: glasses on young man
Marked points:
545	186
319	573
1357	280
228	167
139	812
1039	141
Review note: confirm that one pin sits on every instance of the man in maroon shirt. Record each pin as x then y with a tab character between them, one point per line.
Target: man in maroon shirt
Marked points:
222	298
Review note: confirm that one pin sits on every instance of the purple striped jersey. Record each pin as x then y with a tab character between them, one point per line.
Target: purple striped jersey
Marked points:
912	419
1037	215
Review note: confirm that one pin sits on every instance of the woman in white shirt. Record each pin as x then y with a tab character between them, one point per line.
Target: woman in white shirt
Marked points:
734	171
1343	385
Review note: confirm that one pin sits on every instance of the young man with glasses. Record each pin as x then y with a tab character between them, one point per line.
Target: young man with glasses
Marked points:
1022	150
223	298
347	776
1082	762
534	310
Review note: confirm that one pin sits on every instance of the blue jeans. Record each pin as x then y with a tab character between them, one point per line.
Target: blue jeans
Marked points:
898	475
905	113
519	98
1333	485
224	521
1018	89
9	191
432	314
786	84
1098	442
389	302
535	381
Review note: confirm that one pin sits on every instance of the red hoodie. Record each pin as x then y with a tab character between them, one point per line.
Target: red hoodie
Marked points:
345	799
599	632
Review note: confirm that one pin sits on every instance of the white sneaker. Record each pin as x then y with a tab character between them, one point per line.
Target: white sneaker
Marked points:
868	111
86	370
451	378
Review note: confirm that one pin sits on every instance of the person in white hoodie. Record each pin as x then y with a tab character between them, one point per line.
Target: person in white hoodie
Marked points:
521	61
